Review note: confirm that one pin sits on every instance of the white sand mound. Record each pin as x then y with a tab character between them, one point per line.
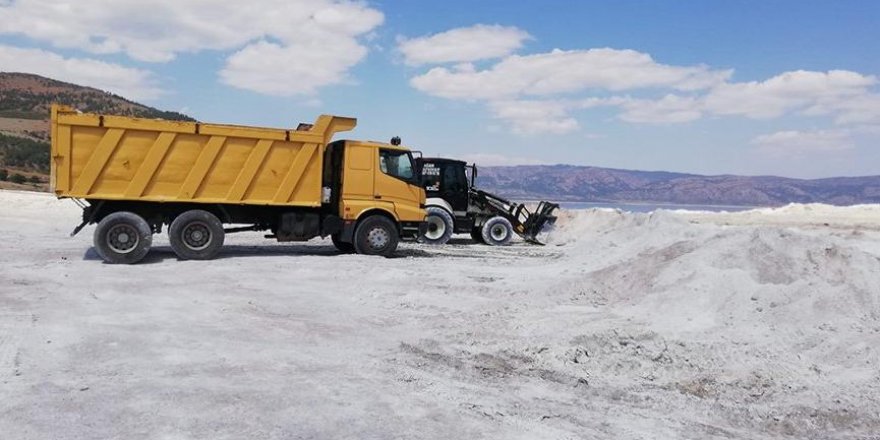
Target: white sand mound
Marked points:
795	214
773	307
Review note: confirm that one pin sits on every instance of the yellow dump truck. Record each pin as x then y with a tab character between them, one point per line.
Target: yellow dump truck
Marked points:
133	176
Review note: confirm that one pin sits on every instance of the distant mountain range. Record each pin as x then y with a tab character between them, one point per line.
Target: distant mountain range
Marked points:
593	184
24	150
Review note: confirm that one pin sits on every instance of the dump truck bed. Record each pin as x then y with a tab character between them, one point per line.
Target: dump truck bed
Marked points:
122	158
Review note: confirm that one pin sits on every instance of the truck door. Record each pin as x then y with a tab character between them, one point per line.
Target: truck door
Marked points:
357	181
397	182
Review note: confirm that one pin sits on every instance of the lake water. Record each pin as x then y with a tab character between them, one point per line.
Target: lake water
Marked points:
648	207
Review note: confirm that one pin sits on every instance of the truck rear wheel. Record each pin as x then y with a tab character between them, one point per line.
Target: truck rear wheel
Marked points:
439	226
376	235
196	235
497	231
123	238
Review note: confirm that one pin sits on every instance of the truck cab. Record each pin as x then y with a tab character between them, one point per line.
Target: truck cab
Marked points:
371	178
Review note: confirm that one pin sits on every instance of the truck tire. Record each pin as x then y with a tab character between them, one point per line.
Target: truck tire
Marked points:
196	235
123	238
376	235
477	235
439	228
341	246
497	231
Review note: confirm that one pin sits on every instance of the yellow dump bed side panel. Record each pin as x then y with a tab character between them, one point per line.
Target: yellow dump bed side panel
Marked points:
121	158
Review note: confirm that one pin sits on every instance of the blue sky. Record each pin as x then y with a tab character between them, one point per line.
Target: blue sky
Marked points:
713	87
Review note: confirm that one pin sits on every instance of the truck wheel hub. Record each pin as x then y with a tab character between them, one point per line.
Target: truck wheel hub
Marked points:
122	238
196	236
378	238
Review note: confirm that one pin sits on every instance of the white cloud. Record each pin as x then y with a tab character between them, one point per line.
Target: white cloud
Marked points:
537	93
464	44
256	67
323	32
861	109
844	95
787	92
816	141
499	160
533	117
560	77
128	82
553	116
667	110
561	72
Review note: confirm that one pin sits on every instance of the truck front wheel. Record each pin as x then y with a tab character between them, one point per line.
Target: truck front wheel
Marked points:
376	235
196	235
123	238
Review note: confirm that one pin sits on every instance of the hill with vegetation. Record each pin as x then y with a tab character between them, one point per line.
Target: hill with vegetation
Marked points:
25	100
28	96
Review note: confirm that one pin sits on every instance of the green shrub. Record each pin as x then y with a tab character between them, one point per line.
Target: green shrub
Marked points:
24	153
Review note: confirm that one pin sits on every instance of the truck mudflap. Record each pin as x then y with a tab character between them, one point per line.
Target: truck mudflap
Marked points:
90	213
527	224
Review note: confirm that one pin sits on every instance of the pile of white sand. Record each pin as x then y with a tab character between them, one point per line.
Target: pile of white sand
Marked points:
776	309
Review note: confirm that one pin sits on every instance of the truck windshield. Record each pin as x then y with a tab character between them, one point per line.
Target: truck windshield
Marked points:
397	164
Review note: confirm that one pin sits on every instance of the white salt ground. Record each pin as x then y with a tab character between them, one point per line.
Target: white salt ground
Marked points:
758	324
